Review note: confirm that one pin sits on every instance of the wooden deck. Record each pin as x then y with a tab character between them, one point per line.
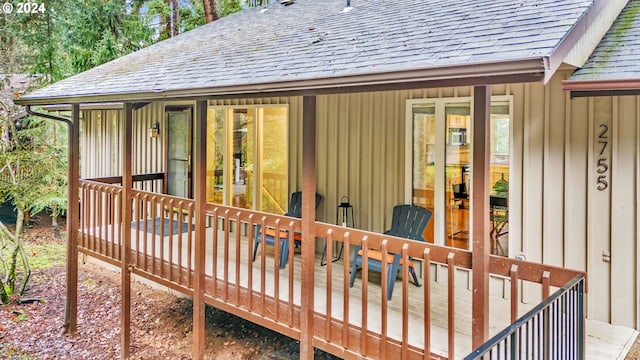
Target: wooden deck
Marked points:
603	340
432	321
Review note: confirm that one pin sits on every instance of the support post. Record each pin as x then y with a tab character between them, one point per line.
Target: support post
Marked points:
480	211
125	247
73	209
308	222
200	200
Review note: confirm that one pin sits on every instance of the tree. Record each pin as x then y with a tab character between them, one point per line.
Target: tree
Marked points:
102	30
210	12
31	176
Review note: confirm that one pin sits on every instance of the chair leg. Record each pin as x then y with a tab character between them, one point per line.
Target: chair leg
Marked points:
391	281
255	248
412	271
284	252
354	268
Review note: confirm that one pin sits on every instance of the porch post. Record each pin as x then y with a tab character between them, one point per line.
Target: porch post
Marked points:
125	247
308	221
73	159
480	221
200	153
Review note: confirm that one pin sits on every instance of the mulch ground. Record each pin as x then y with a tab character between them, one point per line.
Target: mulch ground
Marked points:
161	325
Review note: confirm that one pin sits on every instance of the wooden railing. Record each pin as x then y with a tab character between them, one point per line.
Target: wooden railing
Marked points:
348	322
152	182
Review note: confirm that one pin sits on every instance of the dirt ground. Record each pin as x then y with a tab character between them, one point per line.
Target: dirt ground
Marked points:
161	323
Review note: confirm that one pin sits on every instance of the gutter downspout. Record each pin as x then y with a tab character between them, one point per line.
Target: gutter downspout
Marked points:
71	301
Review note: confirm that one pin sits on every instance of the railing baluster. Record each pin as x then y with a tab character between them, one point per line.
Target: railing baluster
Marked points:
426	280
103	228
451	305
291	268
329	290
365	287
190	242
384	276
94	211
227	231
145	236
250	244
545	294
405	301
237	260
214	250
154	243
514	293
345	291
161	235
263	267
276	271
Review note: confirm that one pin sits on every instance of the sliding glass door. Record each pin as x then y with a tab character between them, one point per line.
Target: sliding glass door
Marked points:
247	152
441	163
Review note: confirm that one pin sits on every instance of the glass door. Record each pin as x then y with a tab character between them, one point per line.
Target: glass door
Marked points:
247	157
179	152
440	149
457	117
424	160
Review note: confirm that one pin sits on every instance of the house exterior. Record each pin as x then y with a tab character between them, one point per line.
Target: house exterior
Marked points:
384	103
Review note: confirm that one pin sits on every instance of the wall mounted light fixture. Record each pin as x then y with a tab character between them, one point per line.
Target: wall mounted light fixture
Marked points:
154	130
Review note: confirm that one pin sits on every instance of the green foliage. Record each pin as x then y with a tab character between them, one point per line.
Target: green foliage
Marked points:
102	30
44	255
228	7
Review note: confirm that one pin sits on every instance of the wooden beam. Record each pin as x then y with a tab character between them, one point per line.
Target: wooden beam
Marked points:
480	210
125	248
73	206
308	222
200	200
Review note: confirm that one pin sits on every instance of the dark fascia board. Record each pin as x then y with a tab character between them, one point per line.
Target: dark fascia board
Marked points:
602	87
515	71
596	93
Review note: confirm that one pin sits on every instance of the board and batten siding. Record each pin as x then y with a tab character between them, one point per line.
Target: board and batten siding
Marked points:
557	214
102	136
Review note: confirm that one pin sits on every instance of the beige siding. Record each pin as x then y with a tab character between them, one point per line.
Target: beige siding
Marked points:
557	214
560	217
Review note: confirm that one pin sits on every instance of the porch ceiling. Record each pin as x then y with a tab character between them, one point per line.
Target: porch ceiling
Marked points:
315	46
613	68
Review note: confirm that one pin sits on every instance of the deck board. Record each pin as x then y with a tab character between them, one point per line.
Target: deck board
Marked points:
603	341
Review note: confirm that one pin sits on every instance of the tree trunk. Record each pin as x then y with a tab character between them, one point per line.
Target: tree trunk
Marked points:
4	297
55	225
17	249
210	13
165	23
175	18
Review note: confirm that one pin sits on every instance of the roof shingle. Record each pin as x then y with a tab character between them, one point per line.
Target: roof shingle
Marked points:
617	56
314	39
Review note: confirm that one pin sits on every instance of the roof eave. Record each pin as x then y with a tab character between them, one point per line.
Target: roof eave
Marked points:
573	36
602	87
520	70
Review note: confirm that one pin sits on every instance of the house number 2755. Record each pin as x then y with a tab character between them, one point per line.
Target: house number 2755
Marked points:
602	167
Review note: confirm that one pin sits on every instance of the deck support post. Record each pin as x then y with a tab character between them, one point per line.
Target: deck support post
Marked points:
200	223
73	208
308	222
479	209
125	247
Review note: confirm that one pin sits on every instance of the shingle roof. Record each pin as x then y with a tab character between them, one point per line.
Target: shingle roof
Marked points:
618	54
315	39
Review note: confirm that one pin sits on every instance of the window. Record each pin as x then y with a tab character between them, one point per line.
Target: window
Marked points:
247	157
441	162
